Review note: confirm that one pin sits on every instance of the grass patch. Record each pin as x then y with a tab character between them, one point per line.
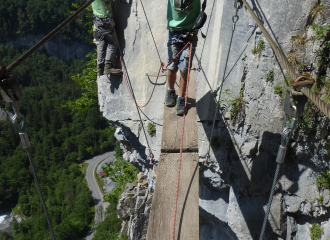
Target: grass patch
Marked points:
260	46
320	200
320	31
83	168
305	118
278	89
270	75
151	129
122	172
299	40
293	58
234	104
244	58
323	180
318	9
301	67
315	231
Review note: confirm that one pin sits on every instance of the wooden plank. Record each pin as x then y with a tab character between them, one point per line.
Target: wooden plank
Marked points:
162	209
172	125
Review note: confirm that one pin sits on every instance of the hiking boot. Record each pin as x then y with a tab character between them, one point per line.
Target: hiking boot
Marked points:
170	98
180	109
109	69
99	70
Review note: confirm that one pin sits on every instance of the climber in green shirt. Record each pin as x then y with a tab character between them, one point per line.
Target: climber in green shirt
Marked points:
181	17
105	35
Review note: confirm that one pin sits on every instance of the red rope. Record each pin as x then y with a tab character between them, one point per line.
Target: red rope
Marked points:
122	66
178	54
160	68
181	143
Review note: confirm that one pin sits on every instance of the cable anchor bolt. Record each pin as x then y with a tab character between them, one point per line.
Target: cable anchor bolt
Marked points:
298	83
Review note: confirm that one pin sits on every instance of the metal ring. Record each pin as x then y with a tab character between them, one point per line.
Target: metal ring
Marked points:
235	18
238	4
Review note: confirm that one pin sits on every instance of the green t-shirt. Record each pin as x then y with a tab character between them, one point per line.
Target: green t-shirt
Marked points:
182	20
100	10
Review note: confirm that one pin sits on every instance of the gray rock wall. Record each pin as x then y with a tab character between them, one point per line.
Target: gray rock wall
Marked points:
55	47
235	186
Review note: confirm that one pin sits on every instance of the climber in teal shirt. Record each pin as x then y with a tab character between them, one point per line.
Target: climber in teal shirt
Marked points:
182	14
104	34
181	17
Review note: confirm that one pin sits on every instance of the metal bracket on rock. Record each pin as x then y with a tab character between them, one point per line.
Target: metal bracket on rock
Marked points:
297	84
238	4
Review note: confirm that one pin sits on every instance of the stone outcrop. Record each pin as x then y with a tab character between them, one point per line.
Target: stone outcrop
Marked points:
55	47
134	208
235	186
5	226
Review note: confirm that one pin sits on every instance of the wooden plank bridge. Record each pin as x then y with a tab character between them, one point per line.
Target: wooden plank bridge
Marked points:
162	209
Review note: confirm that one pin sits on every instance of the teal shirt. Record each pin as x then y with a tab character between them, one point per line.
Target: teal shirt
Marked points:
101	10
182	21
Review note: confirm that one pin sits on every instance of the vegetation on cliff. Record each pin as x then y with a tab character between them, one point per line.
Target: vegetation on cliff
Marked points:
59	138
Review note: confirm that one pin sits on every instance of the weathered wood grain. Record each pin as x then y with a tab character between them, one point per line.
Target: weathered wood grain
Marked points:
162	209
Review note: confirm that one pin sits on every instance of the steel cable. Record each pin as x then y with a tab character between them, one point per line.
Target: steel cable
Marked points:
35	178
23	57
325	108
40	194
223	79
283	59
151	32
207	30
270	201
285	137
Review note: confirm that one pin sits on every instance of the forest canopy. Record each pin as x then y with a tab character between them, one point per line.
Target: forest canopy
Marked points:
20	17
59	138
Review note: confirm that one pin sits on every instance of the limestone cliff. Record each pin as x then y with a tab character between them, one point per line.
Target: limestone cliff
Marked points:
235	186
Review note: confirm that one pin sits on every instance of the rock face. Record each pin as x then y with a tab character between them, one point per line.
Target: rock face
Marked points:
5	226
235	186
134	208
55	47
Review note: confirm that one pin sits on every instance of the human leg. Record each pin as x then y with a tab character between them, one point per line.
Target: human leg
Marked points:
111	52
101	45
185	58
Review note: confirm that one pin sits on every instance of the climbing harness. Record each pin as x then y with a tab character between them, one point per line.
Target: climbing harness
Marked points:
181	141
285	138
11	93
238	5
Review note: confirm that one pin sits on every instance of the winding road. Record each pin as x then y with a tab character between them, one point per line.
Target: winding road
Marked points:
96	193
